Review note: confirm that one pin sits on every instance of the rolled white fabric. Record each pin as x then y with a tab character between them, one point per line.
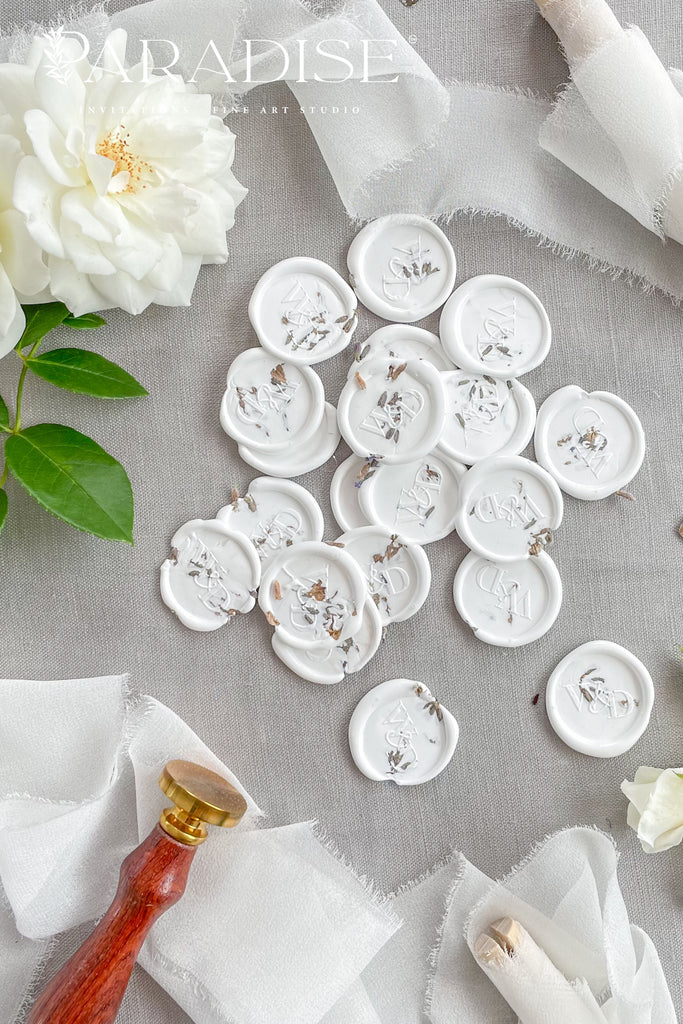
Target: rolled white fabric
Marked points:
619	125
529	981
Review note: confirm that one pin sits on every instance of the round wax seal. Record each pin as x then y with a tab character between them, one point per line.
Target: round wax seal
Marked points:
508	508
269	405
402	267
398	573
211	575
508	604
495	325
303	311
330	665
593	444
348	479
599	699
301	458
313	594
485	416
274	514
401	342
393	411
399	732
417	499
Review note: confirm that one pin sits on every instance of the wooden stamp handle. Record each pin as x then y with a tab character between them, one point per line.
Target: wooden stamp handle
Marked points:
90	987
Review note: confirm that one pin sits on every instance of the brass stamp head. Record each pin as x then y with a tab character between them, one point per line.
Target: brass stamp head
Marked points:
201	797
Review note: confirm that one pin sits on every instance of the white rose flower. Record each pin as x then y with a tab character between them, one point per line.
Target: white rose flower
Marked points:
23	275
656	808
127	187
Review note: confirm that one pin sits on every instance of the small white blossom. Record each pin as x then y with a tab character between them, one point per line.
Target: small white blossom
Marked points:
656	808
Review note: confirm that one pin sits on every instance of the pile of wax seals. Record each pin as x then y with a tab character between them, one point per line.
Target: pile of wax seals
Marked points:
416	411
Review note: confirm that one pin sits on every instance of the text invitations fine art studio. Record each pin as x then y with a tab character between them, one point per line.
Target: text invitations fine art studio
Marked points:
341	512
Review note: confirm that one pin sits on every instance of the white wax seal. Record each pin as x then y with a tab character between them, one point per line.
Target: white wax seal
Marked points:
274	514
418	500
397	572
593	444
599	699
485	416
508	508
508	604
495	325
399	732
303	311
211	575
392	410
402	267
349	478
301	458
401	342
269	405
331	665
313	594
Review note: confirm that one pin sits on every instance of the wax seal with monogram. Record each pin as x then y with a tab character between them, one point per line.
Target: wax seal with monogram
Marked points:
348	480
402	267
397	573
495	325
270	406
313	594
400	732
274	514
509	508
211	575
330	665
593	444
508	604
417	499
402	342
599	699
303	456
485	416
303	311
392	410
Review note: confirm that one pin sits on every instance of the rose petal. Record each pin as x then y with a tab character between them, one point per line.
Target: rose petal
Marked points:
50	147
12	320
74	289
21	257
36	196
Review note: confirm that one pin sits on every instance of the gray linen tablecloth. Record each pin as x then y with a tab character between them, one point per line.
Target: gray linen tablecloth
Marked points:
75	606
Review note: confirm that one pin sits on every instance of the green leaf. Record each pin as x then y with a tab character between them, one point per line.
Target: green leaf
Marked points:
40	320
3	508
74	479
86	322
4	414
86	373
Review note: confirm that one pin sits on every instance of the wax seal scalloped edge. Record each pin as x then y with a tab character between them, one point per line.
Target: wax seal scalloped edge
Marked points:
583	491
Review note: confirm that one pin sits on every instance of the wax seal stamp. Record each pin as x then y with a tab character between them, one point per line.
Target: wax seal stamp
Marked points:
211	575
303	456
399	732
393	411
485	416
495	325
397	572
303	311
274	514
509	508
593	444
508	604
418	500
401	342
599	699
330	665
349	478
313	594
270	406
402	267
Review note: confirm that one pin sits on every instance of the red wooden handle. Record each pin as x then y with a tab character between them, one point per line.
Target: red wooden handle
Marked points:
90	987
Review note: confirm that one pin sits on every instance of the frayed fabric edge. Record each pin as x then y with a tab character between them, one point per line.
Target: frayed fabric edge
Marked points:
535	850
